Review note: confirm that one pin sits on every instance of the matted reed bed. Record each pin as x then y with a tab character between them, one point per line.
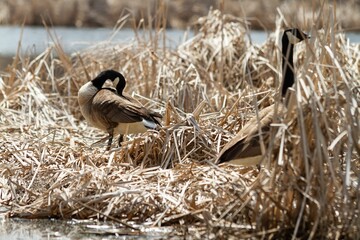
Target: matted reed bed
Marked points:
207	89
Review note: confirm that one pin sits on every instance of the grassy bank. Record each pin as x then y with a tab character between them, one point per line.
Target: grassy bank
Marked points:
207	89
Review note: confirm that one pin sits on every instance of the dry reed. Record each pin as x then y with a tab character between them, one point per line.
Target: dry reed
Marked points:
207	89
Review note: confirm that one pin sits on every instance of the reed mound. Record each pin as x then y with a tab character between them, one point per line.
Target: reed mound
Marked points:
207	89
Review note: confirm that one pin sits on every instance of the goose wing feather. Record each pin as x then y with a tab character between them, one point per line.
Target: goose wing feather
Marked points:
247	141
114	109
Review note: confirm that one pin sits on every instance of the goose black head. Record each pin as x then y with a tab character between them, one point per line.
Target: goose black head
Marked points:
116	77
294	35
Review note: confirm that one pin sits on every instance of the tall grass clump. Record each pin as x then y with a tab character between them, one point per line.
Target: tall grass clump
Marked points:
207	89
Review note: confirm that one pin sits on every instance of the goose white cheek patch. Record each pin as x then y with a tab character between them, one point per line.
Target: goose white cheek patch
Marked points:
115	82
292	38
108	84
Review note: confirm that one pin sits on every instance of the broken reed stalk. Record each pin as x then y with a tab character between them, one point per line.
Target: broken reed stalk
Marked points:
310	189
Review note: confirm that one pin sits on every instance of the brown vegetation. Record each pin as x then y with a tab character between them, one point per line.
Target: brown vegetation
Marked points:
179	14
207	89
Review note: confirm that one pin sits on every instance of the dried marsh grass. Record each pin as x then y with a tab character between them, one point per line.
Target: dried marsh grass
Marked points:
207	89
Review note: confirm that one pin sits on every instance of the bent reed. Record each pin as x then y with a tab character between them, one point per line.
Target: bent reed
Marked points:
206	89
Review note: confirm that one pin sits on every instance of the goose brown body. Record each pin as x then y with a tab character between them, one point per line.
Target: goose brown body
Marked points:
104	105
245	147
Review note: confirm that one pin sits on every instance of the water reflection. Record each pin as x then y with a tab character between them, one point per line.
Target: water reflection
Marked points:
39	229
34	229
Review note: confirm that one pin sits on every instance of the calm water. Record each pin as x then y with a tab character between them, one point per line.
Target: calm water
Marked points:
35	39
41	229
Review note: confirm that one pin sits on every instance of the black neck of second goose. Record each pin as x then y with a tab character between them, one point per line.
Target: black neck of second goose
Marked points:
287	65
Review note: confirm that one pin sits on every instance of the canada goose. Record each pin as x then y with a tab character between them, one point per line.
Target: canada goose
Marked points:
245	148
105	106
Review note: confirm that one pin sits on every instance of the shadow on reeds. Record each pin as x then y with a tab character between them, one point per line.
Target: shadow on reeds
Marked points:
207	88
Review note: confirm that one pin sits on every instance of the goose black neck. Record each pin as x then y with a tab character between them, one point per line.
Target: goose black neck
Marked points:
287	65
98	82
120	86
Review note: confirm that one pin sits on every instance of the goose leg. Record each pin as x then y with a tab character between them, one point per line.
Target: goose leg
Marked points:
121	139
111	134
